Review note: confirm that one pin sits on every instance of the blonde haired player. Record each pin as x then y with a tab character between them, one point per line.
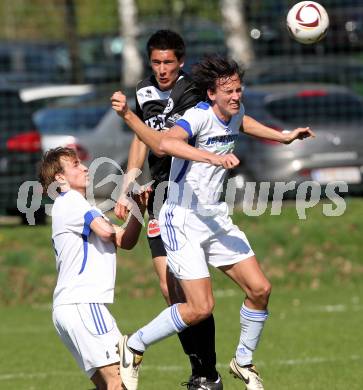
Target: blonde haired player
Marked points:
85	248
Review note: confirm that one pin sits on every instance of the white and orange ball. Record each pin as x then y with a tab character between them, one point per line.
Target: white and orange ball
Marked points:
308	22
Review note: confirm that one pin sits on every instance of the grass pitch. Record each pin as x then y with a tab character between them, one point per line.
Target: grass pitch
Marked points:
312	340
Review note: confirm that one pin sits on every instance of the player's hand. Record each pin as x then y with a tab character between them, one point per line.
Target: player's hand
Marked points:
228	161
142	197
299	133
119	232
122	207
119	103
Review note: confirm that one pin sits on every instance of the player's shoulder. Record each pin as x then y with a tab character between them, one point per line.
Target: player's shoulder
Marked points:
200	109
71	198
146	82
147	90
202	106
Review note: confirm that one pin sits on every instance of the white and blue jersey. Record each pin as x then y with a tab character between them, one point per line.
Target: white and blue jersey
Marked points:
194	183
86	265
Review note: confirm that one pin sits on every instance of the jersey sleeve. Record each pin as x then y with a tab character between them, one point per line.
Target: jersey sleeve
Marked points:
192	121
80	214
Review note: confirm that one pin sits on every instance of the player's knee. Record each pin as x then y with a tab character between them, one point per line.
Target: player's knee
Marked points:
203	311
260	295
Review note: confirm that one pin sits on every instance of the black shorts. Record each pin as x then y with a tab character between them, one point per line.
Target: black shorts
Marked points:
156	246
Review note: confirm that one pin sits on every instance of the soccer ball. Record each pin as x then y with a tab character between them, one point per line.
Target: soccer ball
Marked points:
307	22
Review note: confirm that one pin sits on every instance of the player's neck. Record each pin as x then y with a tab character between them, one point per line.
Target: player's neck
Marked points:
66	188
222	116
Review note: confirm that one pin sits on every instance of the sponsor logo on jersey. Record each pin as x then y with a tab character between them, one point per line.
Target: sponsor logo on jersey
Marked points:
222	139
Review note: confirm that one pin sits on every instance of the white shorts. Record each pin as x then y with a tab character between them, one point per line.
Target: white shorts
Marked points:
90	332
193	240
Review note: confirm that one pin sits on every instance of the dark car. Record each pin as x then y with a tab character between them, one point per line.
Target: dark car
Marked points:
29	63
20	151
333	112
329	69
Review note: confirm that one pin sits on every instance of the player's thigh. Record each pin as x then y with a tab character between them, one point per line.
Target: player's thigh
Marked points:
248	275
176	293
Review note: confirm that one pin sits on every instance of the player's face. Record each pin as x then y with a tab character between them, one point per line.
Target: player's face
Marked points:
75	174
226	99
166	68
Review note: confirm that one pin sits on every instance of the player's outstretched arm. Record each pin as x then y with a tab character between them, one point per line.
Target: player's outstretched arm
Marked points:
171	142
146	134
135	162
252	127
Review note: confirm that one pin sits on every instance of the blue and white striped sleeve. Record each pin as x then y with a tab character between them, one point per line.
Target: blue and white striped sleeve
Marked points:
89	216
80	214
191	121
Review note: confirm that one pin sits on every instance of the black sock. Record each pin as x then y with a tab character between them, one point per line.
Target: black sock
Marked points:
198	342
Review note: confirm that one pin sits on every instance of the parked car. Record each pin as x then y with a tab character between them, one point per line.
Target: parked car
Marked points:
334	69
99	55
94	130
333	112
26	63
20	151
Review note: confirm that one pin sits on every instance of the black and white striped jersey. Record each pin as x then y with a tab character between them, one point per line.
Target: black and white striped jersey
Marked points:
160	110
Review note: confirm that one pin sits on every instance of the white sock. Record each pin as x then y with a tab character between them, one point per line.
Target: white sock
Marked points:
252	322
168	322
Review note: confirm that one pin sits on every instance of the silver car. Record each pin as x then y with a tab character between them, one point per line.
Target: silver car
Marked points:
80	117
99	136
333	112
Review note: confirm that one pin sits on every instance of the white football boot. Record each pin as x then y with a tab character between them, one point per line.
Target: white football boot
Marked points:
247	374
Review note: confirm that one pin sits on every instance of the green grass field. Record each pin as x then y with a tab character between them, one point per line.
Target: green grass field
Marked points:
312	340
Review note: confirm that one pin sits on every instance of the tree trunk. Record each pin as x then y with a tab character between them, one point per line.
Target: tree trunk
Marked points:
235	26
132	66
72	41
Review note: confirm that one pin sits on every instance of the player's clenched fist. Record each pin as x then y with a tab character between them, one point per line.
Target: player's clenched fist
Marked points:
228	161
119	103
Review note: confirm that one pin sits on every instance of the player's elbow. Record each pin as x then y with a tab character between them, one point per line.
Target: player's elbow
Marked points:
163	148
106	235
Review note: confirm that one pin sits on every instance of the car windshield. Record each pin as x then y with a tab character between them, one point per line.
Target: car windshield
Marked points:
327	108
68	119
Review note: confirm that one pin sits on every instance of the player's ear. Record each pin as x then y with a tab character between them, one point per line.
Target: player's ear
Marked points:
211	95
59	177
181	61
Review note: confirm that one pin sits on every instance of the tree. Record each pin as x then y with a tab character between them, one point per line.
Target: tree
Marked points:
72	40
237	38
132	65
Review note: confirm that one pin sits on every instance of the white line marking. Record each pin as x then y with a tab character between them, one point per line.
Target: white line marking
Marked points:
288	362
